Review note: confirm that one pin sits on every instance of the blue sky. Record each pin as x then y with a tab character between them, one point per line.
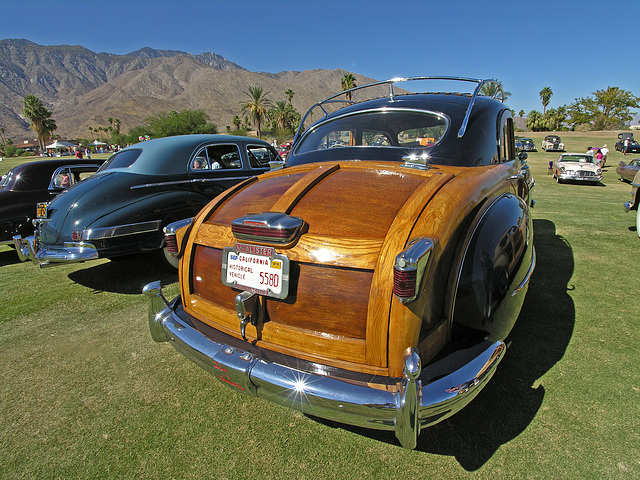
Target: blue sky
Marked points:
574	47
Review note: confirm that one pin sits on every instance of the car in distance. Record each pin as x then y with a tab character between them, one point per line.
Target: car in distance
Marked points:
628	145
374	279
627	171
139	190
528	144
578	167
552	143
22	187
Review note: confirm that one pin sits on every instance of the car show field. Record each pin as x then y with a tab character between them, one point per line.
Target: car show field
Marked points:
86	393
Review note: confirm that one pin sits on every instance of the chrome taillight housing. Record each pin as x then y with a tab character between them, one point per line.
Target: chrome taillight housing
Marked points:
409	268
272	227
170	240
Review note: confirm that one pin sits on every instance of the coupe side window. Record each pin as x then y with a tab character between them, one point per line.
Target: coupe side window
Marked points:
216	157
260	156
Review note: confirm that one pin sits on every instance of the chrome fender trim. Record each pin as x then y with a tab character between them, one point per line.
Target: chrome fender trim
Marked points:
417	403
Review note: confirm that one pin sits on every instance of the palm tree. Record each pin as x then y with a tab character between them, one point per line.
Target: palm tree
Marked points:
492	89
117	124
289	94
545	96
257	106
348	82
521	113
535	121
283	115
236	122
40	117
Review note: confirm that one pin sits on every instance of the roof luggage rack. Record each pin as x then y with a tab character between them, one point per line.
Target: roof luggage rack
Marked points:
333	99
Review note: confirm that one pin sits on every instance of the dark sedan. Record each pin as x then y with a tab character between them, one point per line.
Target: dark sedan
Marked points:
628	146
528	145
123	209
27	184
627	171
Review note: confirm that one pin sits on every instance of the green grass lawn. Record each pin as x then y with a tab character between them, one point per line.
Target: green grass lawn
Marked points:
87	394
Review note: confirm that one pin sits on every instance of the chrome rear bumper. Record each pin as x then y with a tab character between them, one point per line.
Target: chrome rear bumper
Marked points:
54	255
417	403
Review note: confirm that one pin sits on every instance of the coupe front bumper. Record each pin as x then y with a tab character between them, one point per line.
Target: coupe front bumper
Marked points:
421	399
70	252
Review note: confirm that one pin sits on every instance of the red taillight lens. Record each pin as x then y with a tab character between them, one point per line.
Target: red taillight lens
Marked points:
171	243
409	268
404	282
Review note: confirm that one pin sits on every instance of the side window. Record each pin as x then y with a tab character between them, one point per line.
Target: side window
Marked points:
217	157
63	179
260	156
200	161
506	138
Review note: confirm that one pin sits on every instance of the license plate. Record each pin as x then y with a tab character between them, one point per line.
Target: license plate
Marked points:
41	209
256	269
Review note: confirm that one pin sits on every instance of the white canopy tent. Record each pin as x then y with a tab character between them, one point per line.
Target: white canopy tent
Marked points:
60	144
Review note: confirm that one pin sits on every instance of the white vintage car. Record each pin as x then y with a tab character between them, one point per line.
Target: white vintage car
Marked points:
579	167
552	143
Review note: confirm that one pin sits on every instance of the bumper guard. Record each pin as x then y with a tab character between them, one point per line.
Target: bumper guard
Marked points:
70	252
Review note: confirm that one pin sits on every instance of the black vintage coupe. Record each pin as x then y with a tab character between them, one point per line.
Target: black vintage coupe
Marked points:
27	184
124	207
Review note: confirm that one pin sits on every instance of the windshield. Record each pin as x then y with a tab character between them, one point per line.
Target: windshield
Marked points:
122	159
577	158
377	128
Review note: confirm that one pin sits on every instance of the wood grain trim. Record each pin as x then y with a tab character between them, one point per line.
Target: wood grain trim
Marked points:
291	197
359	253
337	350
382	285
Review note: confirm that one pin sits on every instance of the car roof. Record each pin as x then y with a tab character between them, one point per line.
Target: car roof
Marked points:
452	149
170	155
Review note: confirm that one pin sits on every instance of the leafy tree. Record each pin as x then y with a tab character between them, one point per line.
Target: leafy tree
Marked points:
257	105
607	110
348	82
40	117
545	97
165	124
521	113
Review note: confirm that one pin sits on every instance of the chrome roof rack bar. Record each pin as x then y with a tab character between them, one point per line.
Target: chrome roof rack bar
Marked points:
393	81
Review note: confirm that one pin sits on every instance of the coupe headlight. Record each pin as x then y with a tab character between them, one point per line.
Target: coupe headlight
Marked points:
598	171
562	169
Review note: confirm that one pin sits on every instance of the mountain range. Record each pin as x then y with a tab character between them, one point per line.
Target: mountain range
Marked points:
84	88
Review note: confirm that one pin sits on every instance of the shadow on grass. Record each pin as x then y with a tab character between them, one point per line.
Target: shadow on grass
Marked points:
8	257
508	404
127	275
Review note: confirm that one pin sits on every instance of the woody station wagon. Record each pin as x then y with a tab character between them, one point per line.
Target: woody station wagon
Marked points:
373	280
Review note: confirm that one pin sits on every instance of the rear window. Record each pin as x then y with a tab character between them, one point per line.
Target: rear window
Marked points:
379	128
122	159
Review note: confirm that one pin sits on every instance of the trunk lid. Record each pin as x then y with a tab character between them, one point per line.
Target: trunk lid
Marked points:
358	216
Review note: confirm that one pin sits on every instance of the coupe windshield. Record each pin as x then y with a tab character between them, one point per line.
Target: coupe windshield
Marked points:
377	128
577	158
